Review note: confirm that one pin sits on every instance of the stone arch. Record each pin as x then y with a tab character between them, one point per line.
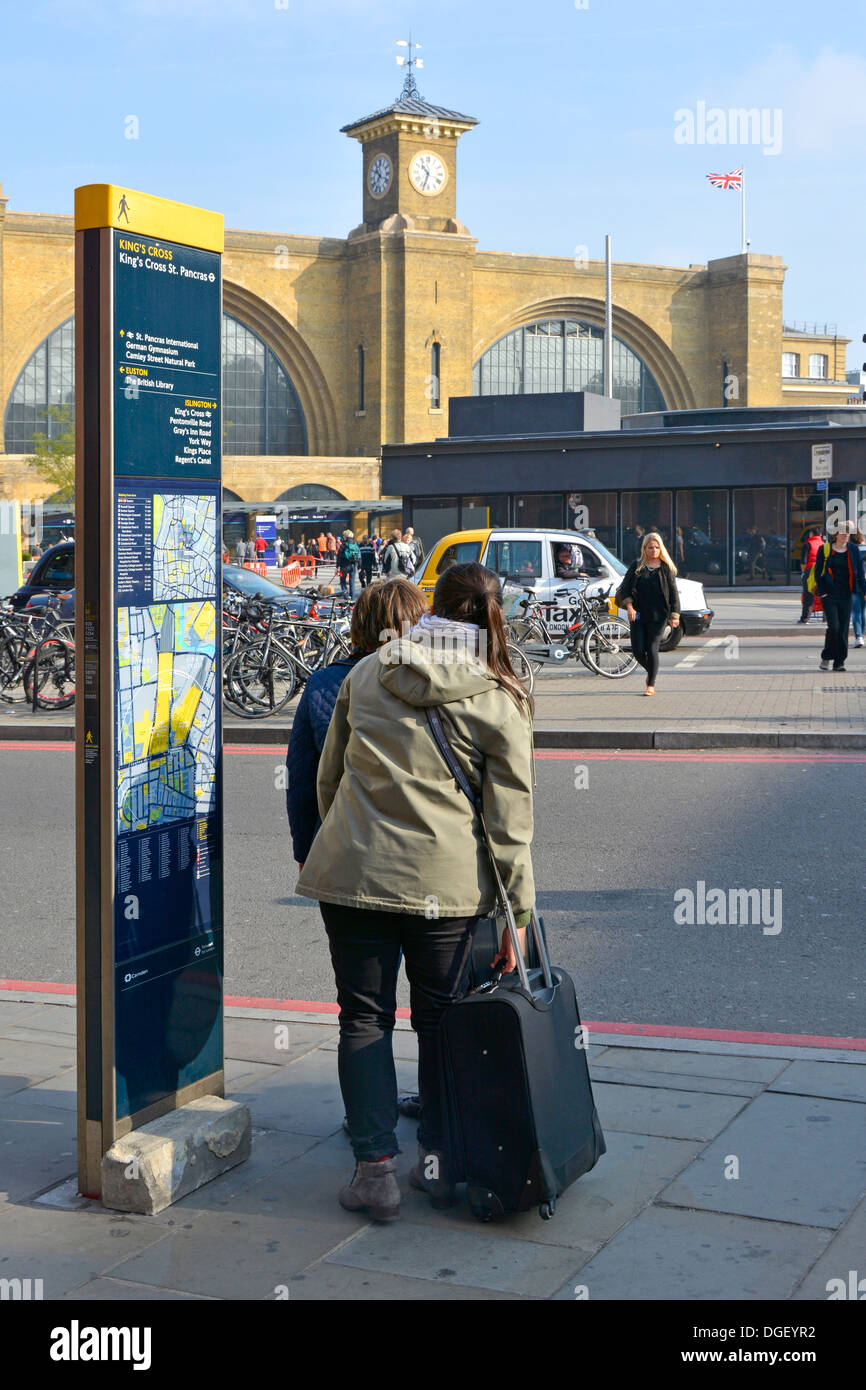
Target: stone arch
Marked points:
636	334
300	363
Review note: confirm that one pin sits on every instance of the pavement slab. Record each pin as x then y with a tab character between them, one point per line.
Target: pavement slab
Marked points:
675	1256
709	1085
122	1291
696	1064
66	1248
304	1096
801	1159
468	1258
834	1080
273	1041
37	1150
57	1092
843	1257
671	1114
633	1171
236	1254
326	1281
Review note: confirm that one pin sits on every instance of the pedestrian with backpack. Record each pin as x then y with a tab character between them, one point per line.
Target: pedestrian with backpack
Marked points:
395	556
347	562
836	576
399	863
810	554
368	560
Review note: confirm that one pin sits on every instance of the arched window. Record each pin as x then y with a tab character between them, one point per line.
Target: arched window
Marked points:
362	383
46	381
262	413
564	355
311	492
261	409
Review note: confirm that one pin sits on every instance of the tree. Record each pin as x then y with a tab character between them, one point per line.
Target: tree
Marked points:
54	458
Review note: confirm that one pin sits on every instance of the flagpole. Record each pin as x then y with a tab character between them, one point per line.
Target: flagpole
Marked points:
743	210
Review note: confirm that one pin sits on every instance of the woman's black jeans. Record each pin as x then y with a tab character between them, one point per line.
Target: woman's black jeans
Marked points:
646	634
838	614
365	951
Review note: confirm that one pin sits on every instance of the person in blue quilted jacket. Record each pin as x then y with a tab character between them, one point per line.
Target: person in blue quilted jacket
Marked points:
378	616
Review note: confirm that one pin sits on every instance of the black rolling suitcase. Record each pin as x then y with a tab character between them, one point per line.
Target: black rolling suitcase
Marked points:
522	1123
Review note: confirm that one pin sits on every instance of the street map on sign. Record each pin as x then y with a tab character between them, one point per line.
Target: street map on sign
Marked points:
184	545
166	715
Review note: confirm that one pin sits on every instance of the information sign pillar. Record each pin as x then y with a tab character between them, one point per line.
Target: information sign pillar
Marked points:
148	297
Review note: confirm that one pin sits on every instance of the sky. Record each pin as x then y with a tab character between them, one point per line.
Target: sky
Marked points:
581	104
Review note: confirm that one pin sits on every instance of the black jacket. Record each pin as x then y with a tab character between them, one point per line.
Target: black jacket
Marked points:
668	583
857	578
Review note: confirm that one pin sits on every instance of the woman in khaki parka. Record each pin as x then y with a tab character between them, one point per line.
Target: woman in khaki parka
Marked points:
399	864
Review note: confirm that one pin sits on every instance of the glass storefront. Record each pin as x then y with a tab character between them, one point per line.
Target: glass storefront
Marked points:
433	518
478	512
701	542
806	511
749	536
642	512
595	512
540	509
760	536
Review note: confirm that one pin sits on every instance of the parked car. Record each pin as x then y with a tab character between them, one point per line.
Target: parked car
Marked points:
53	573
528	557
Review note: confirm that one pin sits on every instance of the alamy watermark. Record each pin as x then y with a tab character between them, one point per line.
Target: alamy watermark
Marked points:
718	907
739	125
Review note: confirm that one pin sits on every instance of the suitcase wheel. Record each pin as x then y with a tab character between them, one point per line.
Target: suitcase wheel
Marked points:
546	1210
484	1204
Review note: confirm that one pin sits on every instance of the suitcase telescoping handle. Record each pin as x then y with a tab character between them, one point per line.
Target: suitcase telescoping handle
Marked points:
434	719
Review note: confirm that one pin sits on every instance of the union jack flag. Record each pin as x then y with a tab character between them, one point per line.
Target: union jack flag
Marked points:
734	180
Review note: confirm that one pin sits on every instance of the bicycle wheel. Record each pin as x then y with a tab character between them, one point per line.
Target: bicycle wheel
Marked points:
606	649
522	668
13	659
52	667
259	680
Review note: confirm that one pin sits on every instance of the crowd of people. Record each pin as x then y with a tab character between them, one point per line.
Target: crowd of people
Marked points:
355	560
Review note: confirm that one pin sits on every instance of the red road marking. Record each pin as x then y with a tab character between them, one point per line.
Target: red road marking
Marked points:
671	755
640	1030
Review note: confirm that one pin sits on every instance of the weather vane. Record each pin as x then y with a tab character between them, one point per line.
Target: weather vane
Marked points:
410	88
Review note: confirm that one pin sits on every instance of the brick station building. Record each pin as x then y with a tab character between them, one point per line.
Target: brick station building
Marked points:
336	346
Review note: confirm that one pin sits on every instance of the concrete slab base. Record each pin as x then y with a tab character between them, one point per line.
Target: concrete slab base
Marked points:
153	1166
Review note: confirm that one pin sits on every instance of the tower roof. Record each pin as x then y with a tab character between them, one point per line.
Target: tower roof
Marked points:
411	106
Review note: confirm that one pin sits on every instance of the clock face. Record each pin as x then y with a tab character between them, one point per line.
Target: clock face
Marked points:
427	173
379	176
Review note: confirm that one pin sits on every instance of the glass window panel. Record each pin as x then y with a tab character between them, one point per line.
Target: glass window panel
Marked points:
517	560
701	544
790	364
806	511
564	354
642	512
598	518
818	365
484	511
433	518
760	536
540	509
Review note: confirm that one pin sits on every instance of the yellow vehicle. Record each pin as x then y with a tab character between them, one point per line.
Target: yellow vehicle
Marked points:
527	556
457	548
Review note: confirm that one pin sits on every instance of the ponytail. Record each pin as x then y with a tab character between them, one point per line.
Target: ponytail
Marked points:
471	593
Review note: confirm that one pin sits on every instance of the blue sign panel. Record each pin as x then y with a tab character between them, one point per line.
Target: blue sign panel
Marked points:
167	737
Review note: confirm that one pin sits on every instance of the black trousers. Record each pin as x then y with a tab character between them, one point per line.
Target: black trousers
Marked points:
366	945
366	573
808	598
646	634
838	614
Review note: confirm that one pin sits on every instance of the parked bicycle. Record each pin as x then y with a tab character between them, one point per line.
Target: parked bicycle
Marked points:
593	635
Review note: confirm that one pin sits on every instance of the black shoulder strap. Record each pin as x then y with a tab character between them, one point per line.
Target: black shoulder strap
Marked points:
434	719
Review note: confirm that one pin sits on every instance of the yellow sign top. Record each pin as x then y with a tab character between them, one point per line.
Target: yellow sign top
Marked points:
110	205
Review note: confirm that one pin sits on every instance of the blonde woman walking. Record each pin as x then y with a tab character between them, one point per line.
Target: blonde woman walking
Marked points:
649	595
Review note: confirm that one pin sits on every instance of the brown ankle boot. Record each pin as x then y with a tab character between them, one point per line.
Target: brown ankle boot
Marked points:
373	1188
431	1175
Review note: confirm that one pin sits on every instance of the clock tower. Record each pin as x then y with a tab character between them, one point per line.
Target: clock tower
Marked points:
410	163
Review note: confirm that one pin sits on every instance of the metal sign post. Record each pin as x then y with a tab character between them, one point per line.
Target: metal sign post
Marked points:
148	325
